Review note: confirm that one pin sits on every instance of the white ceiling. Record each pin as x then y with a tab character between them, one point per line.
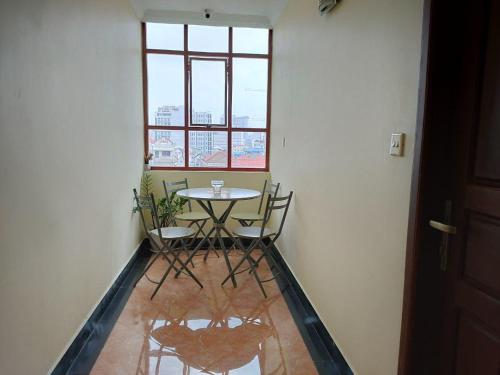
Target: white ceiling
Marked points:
251	13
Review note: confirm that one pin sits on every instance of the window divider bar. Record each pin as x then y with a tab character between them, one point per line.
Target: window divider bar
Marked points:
203	127
269	97
186	99
250	130
251	55
213	54
155	51
165	127
208	126
145	89
207	54
229	101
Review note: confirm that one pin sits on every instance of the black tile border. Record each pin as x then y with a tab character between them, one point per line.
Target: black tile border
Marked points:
323	350
85	348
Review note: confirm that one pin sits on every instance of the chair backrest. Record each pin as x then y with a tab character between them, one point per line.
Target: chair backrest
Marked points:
275	204
147	203
268	188
173	187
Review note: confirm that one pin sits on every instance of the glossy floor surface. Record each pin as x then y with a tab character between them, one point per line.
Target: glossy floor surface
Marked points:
215	330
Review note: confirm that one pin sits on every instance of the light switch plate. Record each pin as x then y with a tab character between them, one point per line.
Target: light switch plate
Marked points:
397	144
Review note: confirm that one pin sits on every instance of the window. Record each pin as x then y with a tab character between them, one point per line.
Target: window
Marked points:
206	96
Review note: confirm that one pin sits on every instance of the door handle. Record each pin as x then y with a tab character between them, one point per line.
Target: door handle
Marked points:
446	230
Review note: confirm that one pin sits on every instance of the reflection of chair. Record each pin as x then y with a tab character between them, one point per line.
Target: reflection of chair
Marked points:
257	237
163	240
248	218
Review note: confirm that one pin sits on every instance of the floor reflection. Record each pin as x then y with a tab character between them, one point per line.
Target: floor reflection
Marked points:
210	349
214	330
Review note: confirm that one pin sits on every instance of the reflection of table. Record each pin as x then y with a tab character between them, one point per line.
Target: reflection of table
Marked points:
205	197
201	334
211	349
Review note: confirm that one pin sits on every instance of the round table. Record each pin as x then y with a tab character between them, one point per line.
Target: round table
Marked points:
205	197
226	194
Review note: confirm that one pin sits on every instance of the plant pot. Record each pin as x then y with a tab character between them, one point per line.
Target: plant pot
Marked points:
147	167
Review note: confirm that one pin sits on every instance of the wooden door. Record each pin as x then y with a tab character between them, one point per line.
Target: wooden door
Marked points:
470	336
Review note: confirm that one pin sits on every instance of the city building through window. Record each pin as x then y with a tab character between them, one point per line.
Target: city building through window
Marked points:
207	96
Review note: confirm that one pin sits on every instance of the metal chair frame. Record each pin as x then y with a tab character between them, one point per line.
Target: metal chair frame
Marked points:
166	247
171	188
273	204
270	189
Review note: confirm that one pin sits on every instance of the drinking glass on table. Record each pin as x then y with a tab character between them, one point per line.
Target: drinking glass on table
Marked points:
217	186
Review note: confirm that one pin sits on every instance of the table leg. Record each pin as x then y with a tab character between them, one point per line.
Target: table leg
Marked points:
211	245
219	226
198	247
226	258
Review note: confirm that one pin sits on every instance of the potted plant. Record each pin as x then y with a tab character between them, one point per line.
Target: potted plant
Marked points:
147	159
168	210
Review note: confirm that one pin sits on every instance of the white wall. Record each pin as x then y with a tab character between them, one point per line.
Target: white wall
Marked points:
70	153
341	85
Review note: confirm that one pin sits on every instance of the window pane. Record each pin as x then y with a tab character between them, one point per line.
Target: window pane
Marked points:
208	103
208	38
249	150
167	147
164	36
208	149
166	90
246	40
249	93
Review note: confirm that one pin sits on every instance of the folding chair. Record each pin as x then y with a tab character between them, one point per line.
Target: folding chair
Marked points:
248	218
163	242
196	218
257	235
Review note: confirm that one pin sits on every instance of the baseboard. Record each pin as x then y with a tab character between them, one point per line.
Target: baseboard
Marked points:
85	347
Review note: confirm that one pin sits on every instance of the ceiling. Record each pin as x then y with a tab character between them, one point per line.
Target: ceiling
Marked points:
250	13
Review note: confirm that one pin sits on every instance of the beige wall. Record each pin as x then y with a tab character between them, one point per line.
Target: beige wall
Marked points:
341	84
70	153
249	180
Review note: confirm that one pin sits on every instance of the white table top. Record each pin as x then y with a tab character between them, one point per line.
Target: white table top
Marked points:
227	194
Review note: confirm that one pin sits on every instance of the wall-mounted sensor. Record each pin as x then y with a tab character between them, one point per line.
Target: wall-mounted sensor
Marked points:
207	14
326	6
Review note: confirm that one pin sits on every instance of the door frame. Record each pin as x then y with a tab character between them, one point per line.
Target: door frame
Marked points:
424	122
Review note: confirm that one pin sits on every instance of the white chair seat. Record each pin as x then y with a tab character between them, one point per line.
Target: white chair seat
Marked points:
247	216
192	216
173	233
251	232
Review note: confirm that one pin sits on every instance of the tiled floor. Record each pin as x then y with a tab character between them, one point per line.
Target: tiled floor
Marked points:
214	330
